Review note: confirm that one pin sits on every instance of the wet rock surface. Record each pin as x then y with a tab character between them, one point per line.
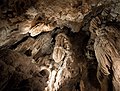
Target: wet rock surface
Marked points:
59	45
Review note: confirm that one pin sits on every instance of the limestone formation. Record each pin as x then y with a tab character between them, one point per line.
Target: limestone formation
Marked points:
107	53
59	45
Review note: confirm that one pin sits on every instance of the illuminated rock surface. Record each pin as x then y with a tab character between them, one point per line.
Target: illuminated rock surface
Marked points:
59	45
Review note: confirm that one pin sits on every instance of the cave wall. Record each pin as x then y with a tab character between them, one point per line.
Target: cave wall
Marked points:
59	45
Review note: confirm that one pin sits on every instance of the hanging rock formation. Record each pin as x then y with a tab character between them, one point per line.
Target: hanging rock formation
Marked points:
59	45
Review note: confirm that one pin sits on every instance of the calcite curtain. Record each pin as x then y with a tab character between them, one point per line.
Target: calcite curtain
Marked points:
59	45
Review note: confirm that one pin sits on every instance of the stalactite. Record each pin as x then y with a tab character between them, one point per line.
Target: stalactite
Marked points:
59	45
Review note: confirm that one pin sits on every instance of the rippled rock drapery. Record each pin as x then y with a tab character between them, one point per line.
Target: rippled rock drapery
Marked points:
106	48
59	45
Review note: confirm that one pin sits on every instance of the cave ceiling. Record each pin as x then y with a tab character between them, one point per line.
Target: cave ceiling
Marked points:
59	45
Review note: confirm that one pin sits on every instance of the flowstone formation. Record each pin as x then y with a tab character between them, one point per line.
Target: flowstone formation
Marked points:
59	45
